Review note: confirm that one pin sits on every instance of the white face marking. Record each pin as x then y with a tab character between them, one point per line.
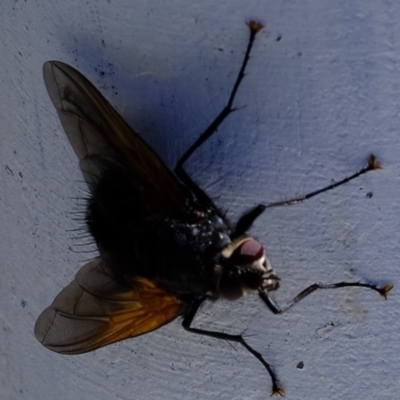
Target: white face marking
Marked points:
258	265
268	266
270	279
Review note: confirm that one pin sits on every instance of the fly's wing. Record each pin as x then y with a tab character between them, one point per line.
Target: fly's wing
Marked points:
95	310
99	136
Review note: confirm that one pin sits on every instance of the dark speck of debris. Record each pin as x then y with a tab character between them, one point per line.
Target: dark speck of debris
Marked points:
102	73
9	170
20	174
299	54
23	303
369	195
300	365
279	37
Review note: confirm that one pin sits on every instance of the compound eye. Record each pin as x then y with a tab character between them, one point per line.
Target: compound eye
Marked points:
248	252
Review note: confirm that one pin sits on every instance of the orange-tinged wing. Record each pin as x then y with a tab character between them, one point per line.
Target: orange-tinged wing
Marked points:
100	136
95	310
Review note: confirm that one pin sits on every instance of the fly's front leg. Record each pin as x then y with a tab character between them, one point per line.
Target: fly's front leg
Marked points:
254	27
246	220
384	291
187	321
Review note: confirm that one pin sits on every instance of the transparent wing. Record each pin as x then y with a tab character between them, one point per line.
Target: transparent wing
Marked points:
96	310
100	136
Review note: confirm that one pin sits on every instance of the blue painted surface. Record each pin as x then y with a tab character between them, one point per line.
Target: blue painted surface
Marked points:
318	101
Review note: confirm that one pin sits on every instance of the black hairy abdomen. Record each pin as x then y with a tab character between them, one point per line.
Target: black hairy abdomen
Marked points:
115	211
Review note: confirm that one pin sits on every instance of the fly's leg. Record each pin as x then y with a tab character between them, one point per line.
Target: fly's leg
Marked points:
384	291
187	321
254	27
246	220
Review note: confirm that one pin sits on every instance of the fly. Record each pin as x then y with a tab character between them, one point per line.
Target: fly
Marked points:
164	247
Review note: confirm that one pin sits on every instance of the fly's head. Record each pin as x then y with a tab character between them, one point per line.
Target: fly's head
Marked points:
245	269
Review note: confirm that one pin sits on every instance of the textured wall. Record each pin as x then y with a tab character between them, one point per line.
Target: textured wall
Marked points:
318	101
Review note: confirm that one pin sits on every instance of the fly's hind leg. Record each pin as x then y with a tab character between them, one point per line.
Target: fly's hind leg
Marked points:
254	27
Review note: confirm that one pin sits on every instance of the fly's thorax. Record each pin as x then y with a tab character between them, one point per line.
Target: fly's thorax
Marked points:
186	248
203	231
244	269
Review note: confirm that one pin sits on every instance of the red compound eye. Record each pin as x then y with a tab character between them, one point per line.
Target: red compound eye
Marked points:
247	253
